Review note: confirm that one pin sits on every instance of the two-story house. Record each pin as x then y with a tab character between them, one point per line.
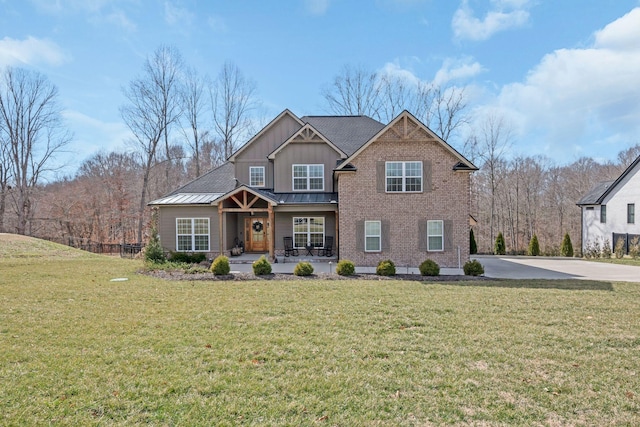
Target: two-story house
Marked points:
608	210
394	191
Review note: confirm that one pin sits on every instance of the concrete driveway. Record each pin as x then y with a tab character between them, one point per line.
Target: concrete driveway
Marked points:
511	267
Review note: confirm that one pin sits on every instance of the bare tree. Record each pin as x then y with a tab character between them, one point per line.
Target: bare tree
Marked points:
5	174
492	139
382	96
355	91
151	109
193	106
232	101
32	132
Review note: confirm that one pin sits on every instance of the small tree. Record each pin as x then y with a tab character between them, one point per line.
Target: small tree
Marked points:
606	249
473	247
567	248
619	248
500	248
153	251
345	267
634	248
386	268
303	268
261	266
429	268
534	246
473	268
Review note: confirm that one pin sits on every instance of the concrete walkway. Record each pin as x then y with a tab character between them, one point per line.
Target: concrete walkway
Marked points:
521	267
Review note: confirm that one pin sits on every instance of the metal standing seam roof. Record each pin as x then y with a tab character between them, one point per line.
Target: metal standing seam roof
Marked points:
301	198
187	199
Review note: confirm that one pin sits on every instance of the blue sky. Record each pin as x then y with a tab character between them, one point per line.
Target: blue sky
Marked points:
565	74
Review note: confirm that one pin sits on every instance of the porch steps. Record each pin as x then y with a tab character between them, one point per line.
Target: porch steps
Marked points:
247	258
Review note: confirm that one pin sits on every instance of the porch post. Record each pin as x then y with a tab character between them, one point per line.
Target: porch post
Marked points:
337	239
272	226
220	228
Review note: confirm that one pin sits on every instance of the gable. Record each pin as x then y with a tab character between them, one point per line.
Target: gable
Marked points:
406	127
307	135
269	138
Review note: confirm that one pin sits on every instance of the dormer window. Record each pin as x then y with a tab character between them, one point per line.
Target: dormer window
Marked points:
308	177
256	176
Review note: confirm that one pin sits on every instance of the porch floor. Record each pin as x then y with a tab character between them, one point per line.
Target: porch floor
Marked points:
248	258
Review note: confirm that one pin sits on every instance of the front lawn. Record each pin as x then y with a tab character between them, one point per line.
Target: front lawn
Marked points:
78	349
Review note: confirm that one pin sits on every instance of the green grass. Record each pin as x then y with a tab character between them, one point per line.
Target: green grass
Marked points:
613	260
78	349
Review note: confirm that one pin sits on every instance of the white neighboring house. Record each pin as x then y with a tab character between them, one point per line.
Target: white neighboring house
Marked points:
609	210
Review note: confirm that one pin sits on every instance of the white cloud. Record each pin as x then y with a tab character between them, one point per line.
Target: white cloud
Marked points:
30	51
504	15
317	7
175	15
120	19
92	135
457	69
583	96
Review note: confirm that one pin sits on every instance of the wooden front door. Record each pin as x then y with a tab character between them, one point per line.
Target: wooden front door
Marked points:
255	230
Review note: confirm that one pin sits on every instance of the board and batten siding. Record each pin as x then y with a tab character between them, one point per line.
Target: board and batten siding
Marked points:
284	225
256	153
167	224
627	191
297	153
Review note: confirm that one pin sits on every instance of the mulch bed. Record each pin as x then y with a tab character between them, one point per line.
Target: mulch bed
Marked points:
182	275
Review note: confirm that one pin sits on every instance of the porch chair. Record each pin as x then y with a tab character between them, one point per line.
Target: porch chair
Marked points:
328	247
288	247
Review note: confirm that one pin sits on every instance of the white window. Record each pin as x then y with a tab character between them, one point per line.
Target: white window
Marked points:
403	177
372	236
308	177
192	234
435	235
308	230
256	176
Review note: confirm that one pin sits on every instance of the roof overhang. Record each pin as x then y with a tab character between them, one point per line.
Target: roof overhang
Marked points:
186	199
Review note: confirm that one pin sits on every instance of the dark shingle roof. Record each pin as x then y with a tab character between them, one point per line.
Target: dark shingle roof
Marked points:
347	132
593	197
218	180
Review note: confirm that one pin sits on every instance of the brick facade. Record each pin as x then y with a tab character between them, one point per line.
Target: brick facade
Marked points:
448	200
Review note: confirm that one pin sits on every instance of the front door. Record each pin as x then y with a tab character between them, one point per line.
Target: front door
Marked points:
255	230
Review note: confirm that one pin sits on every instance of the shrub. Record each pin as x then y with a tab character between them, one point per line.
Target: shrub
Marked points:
429	268
500	247
619	249
606	249
303	268
592	250
634	248
188	258
261	266
567	248
473	268
345	267
534	246
473	246
153	251
220	266
386	268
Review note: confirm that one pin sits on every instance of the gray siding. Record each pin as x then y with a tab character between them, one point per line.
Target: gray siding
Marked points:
304	154
167	224
284	225
256	153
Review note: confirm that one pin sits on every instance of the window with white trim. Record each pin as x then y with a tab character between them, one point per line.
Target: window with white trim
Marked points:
372	236
256	176
192	234
308	230
403	177
435	235
308	177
